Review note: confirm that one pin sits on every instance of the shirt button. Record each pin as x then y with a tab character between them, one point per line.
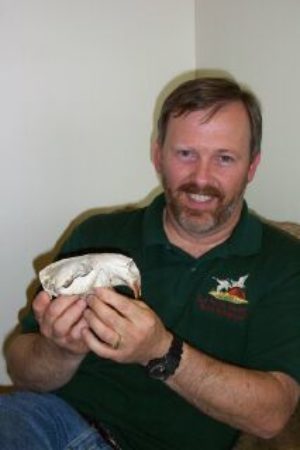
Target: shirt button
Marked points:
193	269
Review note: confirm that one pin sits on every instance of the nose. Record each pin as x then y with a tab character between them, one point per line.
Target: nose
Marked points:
202	173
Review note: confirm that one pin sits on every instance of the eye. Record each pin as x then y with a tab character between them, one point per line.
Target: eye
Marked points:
226	160
186	154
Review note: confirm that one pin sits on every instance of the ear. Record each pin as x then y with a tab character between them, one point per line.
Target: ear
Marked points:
156	156
253	166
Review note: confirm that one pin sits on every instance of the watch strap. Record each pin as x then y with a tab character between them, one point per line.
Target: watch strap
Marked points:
162	368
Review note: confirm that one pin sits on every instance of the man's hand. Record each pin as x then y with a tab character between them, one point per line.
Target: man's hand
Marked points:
61	321
47	360
123	329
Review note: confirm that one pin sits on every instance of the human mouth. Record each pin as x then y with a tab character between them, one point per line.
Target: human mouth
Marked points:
200	198
200	194
197	198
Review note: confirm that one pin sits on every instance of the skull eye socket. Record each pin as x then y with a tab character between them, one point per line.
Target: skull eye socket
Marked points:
81	274
67	283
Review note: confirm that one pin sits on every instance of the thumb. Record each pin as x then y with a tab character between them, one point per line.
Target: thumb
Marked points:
40	304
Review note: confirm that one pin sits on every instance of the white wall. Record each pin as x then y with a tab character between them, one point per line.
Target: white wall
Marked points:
258	42
78	84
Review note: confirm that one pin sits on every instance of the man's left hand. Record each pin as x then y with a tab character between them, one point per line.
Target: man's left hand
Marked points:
123	329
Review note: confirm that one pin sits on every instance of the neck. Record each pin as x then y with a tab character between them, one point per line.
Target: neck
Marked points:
197	245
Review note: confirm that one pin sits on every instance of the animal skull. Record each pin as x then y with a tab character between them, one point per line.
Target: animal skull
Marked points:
80	274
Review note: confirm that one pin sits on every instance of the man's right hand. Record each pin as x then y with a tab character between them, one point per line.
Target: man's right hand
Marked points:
47	360
61	321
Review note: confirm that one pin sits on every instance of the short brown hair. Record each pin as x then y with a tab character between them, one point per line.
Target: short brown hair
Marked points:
211	93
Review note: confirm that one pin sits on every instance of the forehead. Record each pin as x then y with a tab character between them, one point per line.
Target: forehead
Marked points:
231	121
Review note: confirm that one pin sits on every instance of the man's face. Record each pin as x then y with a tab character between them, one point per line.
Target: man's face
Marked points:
204	167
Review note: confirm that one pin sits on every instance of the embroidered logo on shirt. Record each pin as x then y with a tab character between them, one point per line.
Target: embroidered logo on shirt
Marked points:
232	291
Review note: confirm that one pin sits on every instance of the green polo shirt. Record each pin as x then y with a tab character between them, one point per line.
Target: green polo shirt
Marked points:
239	303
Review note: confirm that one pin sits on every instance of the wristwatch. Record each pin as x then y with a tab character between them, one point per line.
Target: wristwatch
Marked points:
162	368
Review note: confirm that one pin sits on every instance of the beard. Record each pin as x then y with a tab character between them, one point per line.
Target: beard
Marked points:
201	222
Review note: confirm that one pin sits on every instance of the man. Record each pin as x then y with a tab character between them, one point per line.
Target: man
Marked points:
212	347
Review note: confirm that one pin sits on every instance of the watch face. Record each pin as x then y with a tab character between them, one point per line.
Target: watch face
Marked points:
162	368
158	371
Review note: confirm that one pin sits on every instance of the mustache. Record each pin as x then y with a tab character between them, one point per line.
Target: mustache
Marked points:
193	188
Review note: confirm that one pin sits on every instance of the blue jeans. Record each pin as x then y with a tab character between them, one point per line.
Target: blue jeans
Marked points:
31	421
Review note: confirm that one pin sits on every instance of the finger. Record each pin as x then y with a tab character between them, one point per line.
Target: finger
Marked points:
126	307
100	329
105	311
60	304
54	311
99	347
40	304
76	331
57	308
69	318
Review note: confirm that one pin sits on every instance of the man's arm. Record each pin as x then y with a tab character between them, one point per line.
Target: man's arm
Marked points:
47	360
36	363
253	401
257	402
